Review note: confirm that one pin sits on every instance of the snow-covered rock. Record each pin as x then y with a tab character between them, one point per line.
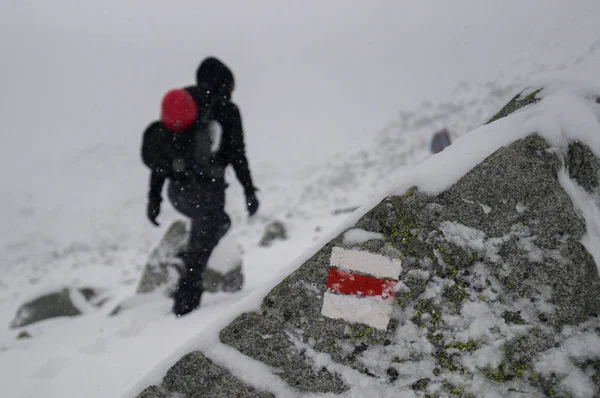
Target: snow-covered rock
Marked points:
57	303
163	265
273	231
224	271
496	294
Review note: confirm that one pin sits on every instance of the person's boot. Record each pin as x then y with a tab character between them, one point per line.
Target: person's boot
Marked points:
187	296
190	286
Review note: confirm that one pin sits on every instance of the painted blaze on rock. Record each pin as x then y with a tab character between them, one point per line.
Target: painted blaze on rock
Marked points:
361	287
496	293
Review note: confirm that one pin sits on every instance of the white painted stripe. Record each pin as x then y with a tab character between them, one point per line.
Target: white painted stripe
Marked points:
367	263
373	311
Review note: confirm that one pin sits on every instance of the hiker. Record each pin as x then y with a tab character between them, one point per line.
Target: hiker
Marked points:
200	133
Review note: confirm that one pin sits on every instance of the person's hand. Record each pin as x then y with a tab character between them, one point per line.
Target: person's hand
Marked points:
251	202
153	210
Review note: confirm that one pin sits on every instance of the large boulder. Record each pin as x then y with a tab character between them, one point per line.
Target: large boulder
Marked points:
487	289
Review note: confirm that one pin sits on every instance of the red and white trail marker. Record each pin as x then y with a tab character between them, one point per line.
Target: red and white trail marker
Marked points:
361	287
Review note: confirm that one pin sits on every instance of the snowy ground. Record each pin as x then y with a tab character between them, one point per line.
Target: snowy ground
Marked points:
76	244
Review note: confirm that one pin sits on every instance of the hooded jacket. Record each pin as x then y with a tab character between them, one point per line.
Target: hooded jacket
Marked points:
212	93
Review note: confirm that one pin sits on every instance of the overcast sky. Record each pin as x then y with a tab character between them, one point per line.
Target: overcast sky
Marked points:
313	76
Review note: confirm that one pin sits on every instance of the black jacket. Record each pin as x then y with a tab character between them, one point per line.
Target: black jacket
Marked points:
213	89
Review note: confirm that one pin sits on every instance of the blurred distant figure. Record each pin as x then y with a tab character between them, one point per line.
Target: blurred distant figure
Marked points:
199	134
440	140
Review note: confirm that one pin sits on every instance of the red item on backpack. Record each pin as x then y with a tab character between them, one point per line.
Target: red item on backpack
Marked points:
178	110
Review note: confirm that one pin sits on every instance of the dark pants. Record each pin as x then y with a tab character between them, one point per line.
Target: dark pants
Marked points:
204	204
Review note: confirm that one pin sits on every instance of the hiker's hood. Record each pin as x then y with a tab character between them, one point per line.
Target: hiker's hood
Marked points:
215	75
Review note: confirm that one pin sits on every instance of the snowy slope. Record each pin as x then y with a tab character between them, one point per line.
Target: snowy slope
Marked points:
104	244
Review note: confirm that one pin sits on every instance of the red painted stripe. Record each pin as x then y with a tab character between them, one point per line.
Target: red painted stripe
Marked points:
345	282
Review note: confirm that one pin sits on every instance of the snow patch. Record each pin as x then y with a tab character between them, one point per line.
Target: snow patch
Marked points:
250	371
560	361
583	346
402	288
555	361
357	236
489	356
471	238
481	320
418	274
579	384
486	209
588	206
534	253
79	301
226	255
360	384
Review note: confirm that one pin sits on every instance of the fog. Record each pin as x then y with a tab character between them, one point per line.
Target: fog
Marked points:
313	77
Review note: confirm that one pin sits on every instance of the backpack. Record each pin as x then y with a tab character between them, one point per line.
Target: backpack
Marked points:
440	141
155	140
189	152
